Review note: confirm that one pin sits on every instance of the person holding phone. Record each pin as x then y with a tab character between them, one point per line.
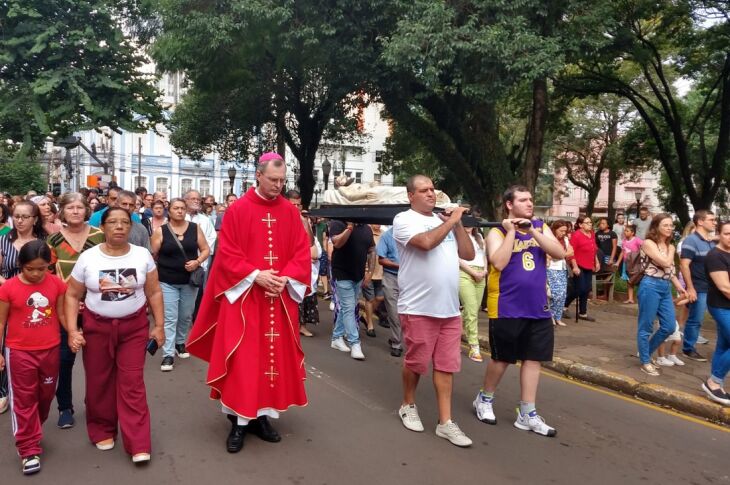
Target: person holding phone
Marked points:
120	280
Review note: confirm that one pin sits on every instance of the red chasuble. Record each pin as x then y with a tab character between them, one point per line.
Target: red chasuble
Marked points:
252	345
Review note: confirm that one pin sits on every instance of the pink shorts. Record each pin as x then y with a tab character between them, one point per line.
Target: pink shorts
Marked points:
431	339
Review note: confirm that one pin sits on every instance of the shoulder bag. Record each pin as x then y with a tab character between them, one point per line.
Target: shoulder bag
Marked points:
196	276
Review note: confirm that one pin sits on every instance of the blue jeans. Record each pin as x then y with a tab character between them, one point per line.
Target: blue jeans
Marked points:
721	357
179	304
694	322
655	300
346	321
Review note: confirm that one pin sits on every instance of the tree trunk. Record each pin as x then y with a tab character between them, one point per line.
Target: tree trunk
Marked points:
536	138
612	178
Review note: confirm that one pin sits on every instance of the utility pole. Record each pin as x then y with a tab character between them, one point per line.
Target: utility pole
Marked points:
139	162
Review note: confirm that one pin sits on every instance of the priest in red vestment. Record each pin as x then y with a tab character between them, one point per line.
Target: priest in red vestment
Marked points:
247	327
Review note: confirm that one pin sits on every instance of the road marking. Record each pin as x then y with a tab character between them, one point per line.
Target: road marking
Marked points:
367	403
630	399
634	400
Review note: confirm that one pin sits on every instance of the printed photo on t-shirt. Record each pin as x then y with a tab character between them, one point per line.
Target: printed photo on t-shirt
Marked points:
117	284
40	316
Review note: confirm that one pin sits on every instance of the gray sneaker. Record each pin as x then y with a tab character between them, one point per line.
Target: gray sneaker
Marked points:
534	422
451	431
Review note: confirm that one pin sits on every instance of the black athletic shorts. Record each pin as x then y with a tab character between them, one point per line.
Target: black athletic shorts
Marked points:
513	339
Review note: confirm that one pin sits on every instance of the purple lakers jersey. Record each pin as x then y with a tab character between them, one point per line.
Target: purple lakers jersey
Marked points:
520	289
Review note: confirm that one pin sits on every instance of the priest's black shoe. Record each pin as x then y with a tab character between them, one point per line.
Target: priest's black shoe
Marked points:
262	428
234	443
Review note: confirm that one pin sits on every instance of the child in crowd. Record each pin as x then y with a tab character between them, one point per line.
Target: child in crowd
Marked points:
31	305
630	244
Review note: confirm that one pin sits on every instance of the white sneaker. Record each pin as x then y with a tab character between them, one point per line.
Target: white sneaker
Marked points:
451	431
702	340
356	352
3	404
675	359
339	344
483	407
141	458
664	361
332	306
534	422
409	415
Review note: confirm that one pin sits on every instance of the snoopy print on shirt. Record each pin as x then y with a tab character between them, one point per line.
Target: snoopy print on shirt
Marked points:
41	313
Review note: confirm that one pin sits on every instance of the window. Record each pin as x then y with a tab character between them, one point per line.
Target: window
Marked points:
204	187
358	177
348	174
161	185
379	155
568	192
569	214
185	185
140	182
378	178
226	189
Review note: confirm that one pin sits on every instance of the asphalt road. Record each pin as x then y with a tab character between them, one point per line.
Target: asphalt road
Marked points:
350	433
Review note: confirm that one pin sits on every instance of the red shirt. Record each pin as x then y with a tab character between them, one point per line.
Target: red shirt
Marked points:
32	320
585	249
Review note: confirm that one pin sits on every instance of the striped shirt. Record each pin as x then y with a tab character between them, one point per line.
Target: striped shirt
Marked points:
9	266
64	256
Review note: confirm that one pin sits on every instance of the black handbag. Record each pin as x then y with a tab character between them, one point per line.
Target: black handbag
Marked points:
197	276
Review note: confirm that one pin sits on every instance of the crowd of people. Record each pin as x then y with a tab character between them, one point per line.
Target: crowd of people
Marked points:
116	273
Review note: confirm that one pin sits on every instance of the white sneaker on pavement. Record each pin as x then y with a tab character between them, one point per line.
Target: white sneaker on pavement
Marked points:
4	404
675	359
534	422
339	344
451	431
483	407
356	352
664	362
409	415
702	340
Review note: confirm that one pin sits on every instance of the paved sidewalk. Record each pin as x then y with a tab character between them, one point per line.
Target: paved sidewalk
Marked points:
604	353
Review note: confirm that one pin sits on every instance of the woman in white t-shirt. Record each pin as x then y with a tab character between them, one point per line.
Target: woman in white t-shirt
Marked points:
472	280
558	272
119	280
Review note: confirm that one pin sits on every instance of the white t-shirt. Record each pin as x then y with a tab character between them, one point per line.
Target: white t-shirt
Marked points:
114	284
428	280
478	253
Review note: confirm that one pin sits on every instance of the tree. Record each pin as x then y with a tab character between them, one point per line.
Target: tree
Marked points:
588	144
308	65
452	67
654	45
19	176
69	66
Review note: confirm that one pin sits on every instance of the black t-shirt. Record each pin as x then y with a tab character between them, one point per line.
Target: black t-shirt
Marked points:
170	260
716	260
603	241
348	262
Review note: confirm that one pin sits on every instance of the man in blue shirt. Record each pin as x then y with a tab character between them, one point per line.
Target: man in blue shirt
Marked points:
111	201
388	259
692	265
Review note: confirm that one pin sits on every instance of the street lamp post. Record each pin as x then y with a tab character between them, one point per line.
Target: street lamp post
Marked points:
316	195
326	169
231	175
638	202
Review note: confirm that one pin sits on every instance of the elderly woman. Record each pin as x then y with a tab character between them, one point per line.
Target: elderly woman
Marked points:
28	227
180	248
45	205
75	237
120	280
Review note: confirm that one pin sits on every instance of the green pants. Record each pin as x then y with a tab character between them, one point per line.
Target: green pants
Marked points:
470	294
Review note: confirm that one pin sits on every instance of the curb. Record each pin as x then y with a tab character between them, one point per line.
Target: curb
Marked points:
653	393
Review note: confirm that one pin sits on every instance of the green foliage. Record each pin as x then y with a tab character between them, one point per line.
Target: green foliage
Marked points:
295	69
18	175
69	66
456	71
652	46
